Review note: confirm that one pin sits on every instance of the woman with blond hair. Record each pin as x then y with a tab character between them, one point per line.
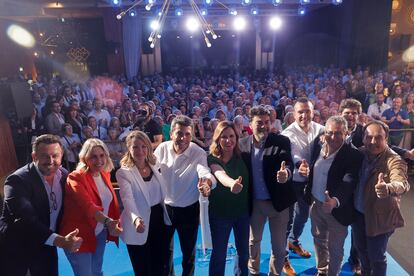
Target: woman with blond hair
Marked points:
229	204
144	217
92	207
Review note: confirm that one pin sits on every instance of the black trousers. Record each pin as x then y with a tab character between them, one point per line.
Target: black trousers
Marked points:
185	220
151	258
16	262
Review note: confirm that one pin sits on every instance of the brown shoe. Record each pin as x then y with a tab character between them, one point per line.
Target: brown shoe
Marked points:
298	249
288	268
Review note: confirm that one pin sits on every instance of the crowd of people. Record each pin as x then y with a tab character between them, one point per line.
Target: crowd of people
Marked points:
314	142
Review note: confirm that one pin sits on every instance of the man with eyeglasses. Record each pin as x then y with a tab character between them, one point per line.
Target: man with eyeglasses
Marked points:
33	203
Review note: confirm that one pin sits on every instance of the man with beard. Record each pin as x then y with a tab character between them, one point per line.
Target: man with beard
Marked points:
268	158
148	125
33	203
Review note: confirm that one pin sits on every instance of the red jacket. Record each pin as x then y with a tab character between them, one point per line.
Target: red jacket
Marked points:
81	202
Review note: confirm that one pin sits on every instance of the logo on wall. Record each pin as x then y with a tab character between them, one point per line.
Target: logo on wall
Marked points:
410	17
78	54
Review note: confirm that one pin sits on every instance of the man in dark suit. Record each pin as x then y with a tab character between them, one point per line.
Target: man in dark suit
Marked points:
268	157
333	178
33	198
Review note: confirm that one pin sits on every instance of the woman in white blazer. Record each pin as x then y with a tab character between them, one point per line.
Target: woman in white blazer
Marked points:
144	218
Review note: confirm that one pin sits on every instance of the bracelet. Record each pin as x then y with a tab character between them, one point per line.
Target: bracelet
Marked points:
106	221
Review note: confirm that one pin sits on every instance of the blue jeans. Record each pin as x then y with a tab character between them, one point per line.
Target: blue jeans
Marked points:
298	213
371	249
220	232
87	263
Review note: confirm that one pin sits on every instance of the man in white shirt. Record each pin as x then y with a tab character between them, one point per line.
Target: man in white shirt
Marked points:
376	109
184	167
301	134
102	116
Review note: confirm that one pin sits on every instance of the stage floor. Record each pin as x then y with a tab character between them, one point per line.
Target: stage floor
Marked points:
116	260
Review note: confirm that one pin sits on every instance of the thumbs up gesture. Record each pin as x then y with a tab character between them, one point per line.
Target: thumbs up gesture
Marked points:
304	168
329	203
71	242
139	225
237	186
381	187
282	175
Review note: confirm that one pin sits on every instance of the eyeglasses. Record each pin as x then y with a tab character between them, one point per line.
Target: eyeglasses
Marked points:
53	200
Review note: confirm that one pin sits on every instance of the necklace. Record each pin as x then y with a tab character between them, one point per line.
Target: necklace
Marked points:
143	169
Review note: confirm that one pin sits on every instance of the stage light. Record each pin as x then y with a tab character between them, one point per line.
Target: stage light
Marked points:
52	52
275	23
179	12
192	24
21	36
239	23
116	2
408	55
132	13
276	2
204	12
254	11
208	2
20	69
36	54
301	11
151	1
152	45
336	2
246	2
155	25
304	2
214	36
158	35
148	6
232	11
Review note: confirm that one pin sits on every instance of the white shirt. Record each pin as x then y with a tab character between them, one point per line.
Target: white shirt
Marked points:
154	190
374	109
181	173
301	144
320	175
106	198
100	116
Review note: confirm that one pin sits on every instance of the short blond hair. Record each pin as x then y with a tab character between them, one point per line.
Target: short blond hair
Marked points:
86	150
128	160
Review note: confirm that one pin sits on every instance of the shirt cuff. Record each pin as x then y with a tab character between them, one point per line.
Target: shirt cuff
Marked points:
337	202
51	239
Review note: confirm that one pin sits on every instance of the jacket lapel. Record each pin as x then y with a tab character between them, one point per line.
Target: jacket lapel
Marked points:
140	183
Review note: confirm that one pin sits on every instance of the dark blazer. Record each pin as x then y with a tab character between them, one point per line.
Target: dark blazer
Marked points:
343	176
24	225
276	150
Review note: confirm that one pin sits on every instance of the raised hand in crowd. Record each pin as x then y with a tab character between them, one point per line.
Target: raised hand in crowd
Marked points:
282	175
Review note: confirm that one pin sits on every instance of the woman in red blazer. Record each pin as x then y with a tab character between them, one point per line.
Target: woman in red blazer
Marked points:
91	205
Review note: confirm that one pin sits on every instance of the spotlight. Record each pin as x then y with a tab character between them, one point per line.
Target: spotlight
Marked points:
63	20
52	52
204	12
301	11
151	1
246	2
36	54
239	23
116	2
254	11
152	45
214	36
336	2
276	2
132	13
159	13
41	34
304	2
275	23
232	11
179	12
21	36
155	25
20	69
148	6
208	2
192	24
158	35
